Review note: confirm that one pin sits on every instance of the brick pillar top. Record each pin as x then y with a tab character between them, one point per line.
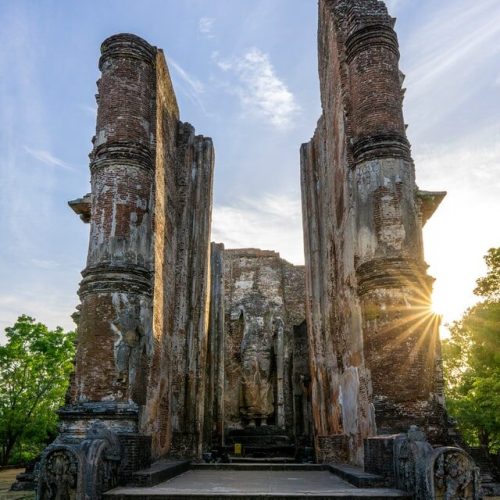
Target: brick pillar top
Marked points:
128	46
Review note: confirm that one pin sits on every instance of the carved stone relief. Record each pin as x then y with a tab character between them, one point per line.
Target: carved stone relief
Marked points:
454	475
60	478
257	349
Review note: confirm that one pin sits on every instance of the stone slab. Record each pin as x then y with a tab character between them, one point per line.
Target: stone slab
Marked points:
255	466
7	478
357	476
205	484
159	472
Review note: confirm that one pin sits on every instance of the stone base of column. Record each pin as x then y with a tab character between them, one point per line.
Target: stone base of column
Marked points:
409	462
98	447
185	445
428	415
332	449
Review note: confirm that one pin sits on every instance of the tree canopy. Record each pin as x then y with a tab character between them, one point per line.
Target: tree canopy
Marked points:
472	363
35	365
489	286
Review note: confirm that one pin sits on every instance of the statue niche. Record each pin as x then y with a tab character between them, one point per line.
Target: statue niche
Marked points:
257	367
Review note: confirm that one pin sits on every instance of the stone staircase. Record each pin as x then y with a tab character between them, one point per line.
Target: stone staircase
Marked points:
264	467
255	481
264	444
489	473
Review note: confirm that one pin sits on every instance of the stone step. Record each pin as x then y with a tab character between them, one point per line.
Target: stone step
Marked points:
254	482
260	440
358	494
256	431
160	471
262	460
288	448
260	466
263	452
357	476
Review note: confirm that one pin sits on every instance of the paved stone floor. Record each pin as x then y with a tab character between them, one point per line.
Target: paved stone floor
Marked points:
242	483
7	477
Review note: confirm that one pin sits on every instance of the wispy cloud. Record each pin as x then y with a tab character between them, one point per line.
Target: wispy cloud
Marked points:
48	158
394	5
268	222
448	59
48	305
471	166
45	263
90	110
206	26
194	84
463	227
23	119
189	85
261	92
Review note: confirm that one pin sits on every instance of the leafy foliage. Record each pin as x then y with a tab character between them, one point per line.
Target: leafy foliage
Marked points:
472	363
489	285
35	365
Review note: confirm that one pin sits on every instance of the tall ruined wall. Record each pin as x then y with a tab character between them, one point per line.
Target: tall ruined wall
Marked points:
373	340
215	375
263	295
142	333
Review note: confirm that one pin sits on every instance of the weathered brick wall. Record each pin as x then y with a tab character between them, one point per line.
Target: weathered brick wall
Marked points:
258	283
115	325
368	293
215	376
301	386
142	334
194	175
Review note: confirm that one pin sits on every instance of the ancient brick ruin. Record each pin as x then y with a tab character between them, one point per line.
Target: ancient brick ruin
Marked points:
189	350
375	361
143	319
263	380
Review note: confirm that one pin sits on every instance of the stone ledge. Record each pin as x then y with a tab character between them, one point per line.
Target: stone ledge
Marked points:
379	493
129	46
370	36
158	472
357	476
260	466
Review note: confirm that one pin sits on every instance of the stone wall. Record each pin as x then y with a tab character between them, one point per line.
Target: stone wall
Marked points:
215	376
143	321
257	310
368	294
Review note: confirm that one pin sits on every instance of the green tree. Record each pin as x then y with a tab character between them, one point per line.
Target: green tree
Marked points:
35	365
472	363
489	285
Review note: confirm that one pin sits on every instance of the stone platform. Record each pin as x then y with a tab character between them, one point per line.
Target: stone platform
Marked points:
265	443
254	482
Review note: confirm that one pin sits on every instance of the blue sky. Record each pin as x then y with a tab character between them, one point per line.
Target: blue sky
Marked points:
245	74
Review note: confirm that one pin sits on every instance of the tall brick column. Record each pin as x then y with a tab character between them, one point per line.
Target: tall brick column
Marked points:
373	341
138	389
114	340
400	331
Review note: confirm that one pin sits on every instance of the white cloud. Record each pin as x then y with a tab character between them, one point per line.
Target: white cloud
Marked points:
46	304
260	90
194	84
269	222
90	110
45	263
448	57
393	5
206	26
48	158
189	85
464	225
